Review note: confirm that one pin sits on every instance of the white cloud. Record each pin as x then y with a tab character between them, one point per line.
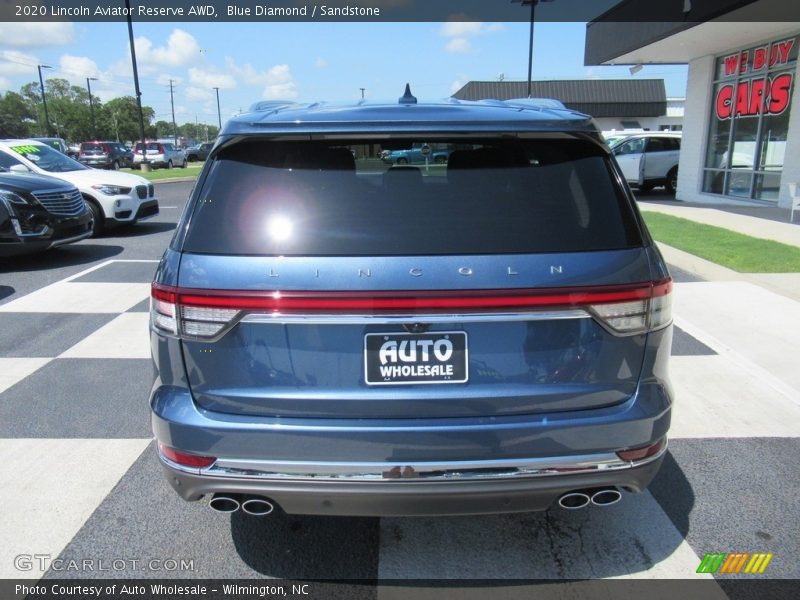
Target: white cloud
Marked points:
77	68
182	49
321	63
280	84
204	78
14	63
36	34
460	33
458	46
5	84
278	81
461	29
199	94
164	79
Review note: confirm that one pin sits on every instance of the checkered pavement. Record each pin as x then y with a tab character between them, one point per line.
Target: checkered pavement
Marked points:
81	479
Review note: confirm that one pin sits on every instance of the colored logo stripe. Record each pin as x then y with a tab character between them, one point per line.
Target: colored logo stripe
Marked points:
734	562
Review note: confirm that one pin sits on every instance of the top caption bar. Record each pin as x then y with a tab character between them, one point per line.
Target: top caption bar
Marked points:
633	11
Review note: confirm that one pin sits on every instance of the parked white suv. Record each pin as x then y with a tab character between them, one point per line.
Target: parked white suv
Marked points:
159	155
113	197
649	159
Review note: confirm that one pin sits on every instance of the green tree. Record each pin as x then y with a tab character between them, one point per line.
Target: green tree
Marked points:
120	119
17	120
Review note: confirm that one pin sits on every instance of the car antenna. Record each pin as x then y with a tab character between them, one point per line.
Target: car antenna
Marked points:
407	97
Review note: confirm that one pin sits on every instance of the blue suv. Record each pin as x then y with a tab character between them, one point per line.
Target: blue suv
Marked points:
337	336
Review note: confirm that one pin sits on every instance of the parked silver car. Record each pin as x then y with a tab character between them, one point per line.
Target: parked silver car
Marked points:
159	155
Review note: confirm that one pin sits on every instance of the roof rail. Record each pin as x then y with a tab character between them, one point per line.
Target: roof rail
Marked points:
537	103
265	105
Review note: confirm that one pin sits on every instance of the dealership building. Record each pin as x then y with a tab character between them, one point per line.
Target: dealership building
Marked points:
615	104
741	122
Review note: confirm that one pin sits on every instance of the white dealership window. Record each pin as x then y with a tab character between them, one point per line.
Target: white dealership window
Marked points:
749	124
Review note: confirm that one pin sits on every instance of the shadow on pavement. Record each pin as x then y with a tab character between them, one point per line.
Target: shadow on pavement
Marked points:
139	229
308	547
6	291
65	256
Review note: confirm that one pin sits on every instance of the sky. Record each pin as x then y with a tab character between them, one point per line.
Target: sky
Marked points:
297	61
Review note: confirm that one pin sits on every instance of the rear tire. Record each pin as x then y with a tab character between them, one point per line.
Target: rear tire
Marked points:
402	161
672	181
169	164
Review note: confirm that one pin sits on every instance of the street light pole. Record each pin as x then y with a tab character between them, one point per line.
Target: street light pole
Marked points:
174	126
91	105
532	4
145	164
362	92
219	114
44	100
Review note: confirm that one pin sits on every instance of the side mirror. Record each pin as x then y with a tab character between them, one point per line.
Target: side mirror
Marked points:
19	169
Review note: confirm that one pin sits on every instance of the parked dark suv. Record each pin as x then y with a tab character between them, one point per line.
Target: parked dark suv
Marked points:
105	155
37	213
337	336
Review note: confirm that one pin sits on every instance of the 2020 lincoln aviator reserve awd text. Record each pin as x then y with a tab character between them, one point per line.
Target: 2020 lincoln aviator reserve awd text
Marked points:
334	335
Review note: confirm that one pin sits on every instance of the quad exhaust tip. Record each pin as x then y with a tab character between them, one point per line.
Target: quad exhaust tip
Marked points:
224	504
582	498
258	507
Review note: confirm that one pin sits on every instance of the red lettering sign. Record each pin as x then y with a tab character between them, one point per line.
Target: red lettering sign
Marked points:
724	102
780	93
754	97
731	63
760	58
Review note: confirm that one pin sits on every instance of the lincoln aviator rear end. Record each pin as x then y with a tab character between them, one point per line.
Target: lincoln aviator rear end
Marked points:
337	335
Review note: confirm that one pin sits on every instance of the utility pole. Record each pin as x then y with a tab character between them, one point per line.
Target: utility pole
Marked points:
362	92
44	100
145	164
219	114
91	105
172	103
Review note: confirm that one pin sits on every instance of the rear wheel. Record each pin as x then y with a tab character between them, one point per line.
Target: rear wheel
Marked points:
672	180
402	161
98	219
169	164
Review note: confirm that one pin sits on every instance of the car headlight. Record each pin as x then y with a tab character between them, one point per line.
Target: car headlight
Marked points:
8	198
112	190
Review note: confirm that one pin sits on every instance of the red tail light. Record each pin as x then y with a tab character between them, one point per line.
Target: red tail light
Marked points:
186	460
642	453
624	310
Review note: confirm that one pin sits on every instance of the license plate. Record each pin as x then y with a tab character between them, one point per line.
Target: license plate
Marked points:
415	358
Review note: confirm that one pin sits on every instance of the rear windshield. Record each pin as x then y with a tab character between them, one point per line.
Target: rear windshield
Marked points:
88	147
411	197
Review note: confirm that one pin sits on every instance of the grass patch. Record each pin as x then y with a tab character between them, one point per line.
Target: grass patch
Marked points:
191	170
728	248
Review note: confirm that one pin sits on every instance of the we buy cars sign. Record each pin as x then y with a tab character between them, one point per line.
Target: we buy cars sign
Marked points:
769	95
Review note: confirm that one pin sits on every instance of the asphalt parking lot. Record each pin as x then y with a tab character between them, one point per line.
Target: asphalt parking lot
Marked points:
82	480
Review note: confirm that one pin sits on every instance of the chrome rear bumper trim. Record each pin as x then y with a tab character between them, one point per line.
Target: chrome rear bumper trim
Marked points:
420	471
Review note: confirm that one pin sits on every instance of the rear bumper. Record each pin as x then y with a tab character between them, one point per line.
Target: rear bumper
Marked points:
403	497
249	447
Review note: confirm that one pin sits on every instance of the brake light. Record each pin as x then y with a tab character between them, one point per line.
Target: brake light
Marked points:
642	453
186	460
623	310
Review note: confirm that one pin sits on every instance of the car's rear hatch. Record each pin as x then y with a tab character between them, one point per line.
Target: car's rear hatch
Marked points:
513	281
